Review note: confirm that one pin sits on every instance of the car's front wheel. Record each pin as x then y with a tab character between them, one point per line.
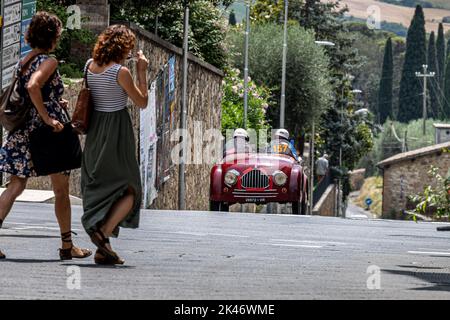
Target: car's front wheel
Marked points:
218	206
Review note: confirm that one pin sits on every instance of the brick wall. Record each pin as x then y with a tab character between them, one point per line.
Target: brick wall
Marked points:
409	177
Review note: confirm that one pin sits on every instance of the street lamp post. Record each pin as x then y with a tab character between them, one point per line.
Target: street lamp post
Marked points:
283	75
313	129
247	35
340	186
183	120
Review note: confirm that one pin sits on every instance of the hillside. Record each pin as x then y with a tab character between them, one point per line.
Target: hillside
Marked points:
439	4
397	14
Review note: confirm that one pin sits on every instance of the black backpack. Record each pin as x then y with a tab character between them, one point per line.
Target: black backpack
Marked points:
14	105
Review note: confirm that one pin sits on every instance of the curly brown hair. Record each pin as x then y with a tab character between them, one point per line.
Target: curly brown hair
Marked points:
112	44
45	28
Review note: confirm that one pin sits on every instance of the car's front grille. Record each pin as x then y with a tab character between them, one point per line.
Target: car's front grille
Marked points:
255	179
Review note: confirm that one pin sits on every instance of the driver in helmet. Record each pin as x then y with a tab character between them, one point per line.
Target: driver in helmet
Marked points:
239	143
280	144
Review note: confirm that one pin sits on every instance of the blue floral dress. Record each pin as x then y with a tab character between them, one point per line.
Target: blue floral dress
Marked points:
15	157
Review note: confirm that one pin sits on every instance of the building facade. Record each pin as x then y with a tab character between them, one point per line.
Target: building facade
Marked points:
406	174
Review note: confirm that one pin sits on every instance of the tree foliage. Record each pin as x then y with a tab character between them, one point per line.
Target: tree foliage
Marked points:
232	18
72	66
308	90
435	197
385	105
207	25
410	88
434	105
441	57
233	103
446	104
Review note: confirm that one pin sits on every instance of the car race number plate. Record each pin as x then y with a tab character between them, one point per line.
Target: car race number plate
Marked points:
255	200
280	148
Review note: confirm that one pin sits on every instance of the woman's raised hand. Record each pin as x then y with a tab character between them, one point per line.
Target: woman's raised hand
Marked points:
142	62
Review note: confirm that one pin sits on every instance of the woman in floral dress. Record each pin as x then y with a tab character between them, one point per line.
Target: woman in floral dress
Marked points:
42	86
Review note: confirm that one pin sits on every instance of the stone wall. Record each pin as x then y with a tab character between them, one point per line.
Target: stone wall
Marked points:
357	179
204	96
409	177
327	203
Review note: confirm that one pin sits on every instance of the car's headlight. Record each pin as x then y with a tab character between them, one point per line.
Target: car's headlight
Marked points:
279	178
231	177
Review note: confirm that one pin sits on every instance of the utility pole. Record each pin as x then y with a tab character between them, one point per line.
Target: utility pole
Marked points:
283	75
247	35
425	75
184	106
311	182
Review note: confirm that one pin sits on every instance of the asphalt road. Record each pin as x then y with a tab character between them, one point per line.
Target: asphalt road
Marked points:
200	255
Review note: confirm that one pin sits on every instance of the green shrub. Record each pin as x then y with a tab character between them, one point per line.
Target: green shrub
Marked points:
233	103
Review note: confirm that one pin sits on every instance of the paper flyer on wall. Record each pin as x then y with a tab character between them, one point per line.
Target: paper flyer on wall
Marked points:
148	140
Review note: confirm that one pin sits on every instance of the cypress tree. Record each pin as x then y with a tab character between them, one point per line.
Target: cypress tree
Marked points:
433	108
232	19
448	50
410	105
386	84
441	57
446	111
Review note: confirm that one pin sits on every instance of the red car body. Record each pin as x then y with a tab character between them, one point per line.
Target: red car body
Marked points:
255	182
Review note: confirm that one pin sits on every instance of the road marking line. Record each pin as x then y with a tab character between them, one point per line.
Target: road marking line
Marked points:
430	253
199	234
308	241
191	233
228	235
296	245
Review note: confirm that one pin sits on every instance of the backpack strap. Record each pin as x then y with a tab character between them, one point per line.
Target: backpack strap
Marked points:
25	66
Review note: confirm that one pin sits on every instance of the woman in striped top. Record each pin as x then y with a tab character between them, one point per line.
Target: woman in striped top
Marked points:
110	176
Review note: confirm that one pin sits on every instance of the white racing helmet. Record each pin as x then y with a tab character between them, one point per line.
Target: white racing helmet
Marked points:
281	133
240	133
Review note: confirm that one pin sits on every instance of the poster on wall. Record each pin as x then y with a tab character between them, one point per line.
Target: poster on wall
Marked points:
148	148
171	87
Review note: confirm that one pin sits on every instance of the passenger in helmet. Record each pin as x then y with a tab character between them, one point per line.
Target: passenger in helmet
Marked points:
280	144
239	143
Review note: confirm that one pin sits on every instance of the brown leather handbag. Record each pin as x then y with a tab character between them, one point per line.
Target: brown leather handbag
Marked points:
84	107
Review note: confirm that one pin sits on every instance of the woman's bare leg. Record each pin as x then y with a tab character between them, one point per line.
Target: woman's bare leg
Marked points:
7	198
60	184
119	211
63	212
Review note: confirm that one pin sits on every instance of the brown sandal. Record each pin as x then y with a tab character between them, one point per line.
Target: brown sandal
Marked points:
67	254
99	239
101	259
2	256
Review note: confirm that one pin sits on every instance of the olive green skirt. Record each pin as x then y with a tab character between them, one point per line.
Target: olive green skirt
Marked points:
109	168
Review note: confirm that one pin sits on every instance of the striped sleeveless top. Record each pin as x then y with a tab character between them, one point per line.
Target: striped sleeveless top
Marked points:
107	94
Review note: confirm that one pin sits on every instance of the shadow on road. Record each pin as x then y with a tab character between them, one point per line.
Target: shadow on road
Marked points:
30	236
100	266
439	280
30	260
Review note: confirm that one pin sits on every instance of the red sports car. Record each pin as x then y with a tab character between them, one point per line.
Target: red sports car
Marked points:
258	178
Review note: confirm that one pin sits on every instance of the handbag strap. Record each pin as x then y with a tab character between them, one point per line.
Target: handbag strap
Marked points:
85	73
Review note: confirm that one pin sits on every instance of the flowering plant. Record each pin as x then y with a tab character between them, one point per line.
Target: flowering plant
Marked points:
233	103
